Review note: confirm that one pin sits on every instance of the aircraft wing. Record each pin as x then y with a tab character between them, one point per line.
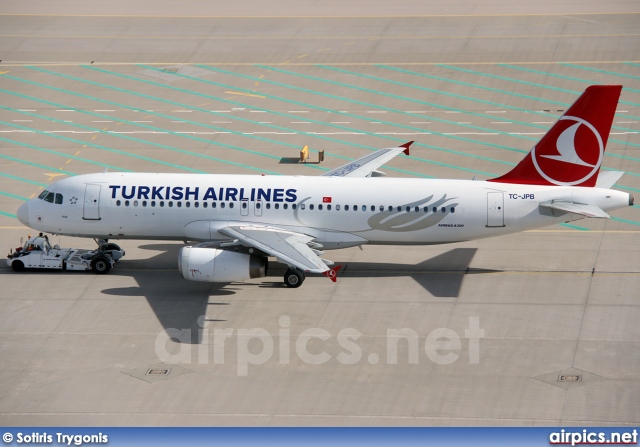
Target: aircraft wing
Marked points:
577	208
288	246
367	165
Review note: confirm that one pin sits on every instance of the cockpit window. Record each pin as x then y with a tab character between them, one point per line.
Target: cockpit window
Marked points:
43	194
49	197
58	199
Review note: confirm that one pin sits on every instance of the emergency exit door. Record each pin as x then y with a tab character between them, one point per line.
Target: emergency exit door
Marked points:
495	209
91	209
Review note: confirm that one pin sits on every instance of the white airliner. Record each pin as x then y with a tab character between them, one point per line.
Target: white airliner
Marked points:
241	220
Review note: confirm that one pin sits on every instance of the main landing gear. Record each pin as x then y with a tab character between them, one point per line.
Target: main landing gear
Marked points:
293	278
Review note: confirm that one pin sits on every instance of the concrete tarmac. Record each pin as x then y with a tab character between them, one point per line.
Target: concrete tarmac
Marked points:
538	328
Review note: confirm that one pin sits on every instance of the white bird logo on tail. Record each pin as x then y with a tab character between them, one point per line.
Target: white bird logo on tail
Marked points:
567	148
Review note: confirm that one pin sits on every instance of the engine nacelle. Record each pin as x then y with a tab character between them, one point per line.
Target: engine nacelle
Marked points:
213	265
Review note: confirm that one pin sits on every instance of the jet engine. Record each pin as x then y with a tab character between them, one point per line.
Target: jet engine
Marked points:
214	265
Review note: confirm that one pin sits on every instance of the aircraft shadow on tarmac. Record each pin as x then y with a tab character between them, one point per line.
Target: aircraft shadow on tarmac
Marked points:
441	276
178	304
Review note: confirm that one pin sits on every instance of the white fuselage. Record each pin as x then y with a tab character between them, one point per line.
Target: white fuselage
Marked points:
337	211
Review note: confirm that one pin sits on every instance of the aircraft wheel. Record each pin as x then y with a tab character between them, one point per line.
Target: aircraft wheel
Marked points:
100	265
17	266
112	247
293	278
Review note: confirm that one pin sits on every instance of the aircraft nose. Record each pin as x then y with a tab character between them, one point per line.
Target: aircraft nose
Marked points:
23	214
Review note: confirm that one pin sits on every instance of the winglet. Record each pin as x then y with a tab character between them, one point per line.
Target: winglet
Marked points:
406	147
332	274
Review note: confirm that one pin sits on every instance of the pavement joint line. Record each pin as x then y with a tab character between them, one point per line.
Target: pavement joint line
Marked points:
409	113
169	116
511	149
279	127
38	63
37	165
293	16
555	75
135	139
410	99
342	127
520	81
481	87
97	146
596	70
316	37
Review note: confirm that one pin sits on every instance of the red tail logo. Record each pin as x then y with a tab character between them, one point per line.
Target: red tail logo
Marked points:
332	274
571	153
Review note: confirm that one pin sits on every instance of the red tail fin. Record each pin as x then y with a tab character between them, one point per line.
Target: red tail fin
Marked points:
571	153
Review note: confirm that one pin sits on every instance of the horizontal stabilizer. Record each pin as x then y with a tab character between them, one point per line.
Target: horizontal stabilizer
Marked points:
606	179
577	208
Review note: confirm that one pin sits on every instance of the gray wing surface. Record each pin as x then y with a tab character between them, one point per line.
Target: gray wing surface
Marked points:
367	166
288	246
